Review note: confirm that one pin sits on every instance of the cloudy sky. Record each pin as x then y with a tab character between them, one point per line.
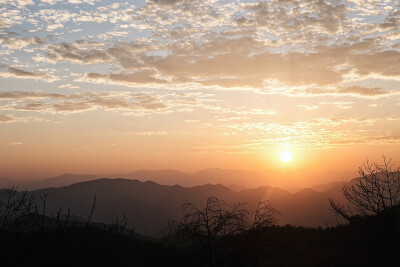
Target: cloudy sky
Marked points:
92	86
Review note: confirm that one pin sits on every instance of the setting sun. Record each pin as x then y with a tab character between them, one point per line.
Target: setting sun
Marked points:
285	156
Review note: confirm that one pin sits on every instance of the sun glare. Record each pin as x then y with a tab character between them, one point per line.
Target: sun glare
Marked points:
285	156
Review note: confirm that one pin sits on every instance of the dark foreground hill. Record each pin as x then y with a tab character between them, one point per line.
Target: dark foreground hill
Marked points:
273	246
149	206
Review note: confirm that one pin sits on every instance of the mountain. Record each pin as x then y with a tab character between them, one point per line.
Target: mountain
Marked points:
148	205
336	192
6	182
221	176
237	180
164	177
236	187
62	180
167	177
326	187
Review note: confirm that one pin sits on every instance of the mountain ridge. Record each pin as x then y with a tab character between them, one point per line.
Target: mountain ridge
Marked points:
149	205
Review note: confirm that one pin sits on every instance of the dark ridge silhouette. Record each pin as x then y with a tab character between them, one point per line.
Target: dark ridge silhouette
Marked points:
164	177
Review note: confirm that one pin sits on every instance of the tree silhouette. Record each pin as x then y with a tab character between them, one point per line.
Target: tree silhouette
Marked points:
218	220
374	206
13	207
264	216
376	192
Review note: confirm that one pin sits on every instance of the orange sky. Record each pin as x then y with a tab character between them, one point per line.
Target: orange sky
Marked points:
97	88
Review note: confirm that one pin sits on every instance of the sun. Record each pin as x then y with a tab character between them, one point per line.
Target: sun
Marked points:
285	156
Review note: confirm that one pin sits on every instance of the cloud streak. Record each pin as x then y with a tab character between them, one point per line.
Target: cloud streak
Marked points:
75	103
12	72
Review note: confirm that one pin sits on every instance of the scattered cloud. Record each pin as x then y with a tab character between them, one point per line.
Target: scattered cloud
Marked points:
12	72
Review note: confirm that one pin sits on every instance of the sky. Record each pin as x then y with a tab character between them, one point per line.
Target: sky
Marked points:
91	86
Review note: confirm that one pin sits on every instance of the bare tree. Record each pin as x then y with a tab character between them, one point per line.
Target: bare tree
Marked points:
14	206
118	226
264	216
375	192
205	228
89	217
374	205
37	213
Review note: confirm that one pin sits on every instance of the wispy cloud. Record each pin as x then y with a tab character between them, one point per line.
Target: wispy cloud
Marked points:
12	72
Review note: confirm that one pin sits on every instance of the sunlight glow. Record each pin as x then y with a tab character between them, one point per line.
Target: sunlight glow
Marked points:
285	156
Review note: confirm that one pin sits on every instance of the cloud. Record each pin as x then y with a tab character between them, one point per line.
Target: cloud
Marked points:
363	91
378	63
19	73
128	55
8	118
34	95
18	43
307	107
74	103
356	91
251	70
232	45
15	143
77	52
225	62
17	2
168	2
142	77
282	17
50	2
221	65
311	134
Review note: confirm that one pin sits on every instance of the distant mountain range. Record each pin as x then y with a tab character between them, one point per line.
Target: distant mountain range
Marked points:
236	179
148	205
151	198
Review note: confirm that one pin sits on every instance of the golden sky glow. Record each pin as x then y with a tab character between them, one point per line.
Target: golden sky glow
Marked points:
92	87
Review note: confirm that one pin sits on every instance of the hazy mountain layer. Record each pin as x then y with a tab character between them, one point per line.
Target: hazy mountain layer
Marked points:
148	206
